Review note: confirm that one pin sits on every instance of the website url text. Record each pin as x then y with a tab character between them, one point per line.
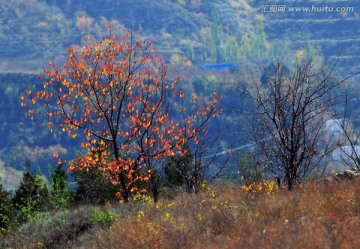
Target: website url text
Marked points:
313	8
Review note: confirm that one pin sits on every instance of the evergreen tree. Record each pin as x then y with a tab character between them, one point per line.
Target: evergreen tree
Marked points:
31	197
179	170
5	209
60	190
217	35
92	187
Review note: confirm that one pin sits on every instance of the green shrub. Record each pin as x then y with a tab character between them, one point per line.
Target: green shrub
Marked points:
102	216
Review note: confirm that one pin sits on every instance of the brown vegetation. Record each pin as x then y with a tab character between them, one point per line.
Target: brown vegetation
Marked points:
324	215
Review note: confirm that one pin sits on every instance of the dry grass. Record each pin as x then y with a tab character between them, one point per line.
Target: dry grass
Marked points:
316	216
322	215
49	230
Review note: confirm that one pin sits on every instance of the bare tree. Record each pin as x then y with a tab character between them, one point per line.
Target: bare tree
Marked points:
288	117
348	149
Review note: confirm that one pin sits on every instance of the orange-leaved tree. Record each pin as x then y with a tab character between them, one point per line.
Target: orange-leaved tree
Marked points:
114	95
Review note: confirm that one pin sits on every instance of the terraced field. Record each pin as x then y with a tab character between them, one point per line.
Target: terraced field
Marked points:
334	35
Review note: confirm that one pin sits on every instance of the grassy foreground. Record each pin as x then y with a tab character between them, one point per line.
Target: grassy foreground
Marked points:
324	215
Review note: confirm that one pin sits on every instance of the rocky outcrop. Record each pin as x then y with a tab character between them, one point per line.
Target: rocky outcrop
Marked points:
344	176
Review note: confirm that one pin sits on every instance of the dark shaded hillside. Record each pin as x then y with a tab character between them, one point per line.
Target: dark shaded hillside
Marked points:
148	15
22	138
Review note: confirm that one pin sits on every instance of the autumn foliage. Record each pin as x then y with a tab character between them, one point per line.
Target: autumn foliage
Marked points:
115	97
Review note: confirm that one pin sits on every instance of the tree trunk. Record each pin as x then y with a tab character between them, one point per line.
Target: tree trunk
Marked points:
290	183
125	196
155	195
155	188
292	177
